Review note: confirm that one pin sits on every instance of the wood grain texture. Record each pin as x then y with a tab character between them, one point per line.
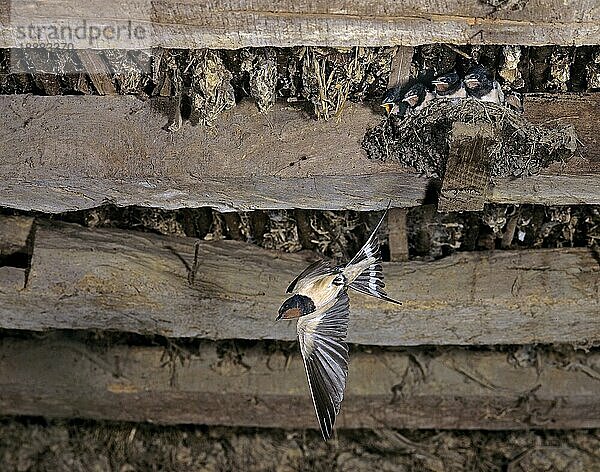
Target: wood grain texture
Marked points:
400	68
137	282
579	110
467	176
234	24
68	153
398	234
253	386
14	232
98	71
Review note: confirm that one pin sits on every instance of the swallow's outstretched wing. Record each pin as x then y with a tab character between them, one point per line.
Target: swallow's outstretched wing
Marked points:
371	247
325	355
370	281
313	271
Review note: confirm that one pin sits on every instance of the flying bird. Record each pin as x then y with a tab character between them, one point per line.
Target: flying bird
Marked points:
479	85
449	86
320	303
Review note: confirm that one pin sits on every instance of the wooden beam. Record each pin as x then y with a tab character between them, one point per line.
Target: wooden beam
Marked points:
254	386
400	69
138	282
67	153
466	183
78	152
397	217
15	236
98	71
240	23
14	232
398	234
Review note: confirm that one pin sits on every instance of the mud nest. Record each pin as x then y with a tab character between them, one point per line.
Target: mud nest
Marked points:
422	140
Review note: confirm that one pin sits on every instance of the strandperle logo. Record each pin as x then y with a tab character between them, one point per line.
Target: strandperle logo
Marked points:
54	37
72	36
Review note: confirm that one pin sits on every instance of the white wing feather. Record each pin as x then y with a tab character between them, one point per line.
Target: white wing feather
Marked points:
325	354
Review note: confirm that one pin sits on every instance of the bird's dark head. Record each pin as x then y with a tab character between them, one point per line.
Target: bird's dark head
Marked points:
477	81
415	95
295	307
391	99
447	83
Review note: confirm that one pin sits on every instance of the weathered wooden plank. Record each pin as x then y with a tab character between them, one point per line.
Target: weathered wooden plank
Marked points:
258	192
78	152
400	68
253	386
98	71
571	108
241	23
138	282
14	232
397	217
549	189
398	234
67	153
466	181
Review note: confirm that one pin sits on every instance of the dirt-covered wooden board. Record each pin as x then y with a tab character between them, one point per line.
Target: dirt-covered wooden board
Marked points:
569	108
138	282
258	386
68	153
14	232
240	23
466	179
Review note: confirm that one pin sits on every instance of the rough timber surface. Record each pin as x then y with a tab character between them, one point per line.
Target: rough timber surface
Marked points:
467	176
234	24
254	386
138	282
67	153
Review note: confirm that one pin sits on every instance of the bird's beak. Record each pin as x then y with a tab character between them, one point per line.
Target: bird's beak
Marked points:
388	107
412	100
439	85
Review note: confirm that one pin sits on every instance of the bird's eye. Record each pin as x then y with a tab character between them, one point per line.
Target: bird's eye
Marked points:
339	280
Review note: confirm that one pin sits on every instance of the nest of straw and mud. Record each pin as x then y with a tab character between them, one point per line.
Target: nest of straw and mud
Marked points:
422	140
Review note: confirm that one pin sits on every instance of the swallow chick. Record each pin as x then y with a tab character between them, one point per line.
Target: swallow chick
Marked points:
480	86
392	101
321	305
417	97
449	86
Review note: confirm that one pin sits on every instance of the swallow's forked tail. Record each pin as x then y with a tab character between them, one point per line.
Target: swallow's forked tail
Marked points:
370	281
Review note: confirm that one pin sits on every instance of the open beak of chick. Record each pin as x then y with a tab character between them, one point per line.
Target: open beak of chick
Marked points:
390	108
440	85
471	82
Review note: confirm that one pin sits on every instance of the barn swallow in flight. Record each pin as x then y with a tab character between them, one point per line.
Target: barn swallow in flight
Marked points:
449	86
321	305
480	86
